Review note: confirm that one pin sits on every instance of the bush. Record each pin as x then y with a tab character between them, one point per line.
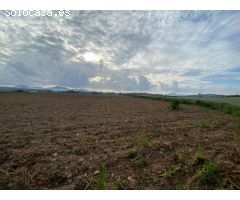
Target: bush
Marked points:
174	105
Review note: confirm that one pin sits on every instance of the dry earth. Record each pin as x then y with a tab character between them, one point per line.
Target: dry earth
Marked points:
57	141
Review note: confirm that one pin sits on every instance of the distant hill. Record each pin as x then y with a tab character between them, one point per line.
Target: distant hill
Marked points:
26	88
58	89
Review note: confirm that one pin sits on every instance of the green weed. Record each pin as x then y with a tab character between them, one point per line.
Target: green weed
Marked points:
198	158
102	178
131	154
171	171
144	142
212	124
183	157
216	123
178	185
141	161
208	173
203	125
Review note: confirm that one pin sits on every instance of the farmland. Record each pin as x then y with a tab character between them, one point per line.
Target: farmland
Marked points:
76	141
235	101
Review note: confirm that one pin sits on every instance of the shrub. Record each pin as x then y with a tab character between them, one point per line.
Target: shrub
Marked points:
174	104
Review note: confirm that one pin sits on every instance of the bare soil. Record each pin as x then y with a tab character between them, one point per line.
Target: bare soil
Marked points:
57	141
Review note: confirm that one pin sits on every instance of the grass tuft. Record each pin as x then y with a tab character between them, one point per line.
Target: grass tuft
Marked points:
212	124
131	154
182	157
141	161
144	142
208	174
102	178
171	171
203	124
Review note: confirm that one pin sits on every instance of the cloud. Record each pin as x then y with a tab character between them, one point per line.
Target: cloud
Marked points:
192	72
150	51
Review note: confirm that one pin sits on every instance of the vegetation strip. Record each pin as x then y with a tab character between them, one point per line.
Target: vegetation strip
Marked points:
225	107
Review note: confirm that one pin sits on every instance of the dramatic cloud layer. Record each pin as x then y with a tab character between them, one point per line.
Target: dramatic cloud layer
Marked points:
158	51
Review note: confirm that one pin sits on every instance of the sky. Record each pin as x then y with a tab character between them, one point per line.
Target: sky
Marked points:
183	52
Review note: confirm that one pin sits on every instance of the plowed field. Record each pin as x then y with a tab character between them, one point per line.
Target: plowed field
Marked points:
58	141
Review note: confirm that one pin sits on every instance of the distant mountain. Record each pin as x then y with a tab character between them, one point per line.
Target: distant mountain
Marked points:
39	89
26	87
7	89
81	90
22	87
173	94
66	89
58	89
206	95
